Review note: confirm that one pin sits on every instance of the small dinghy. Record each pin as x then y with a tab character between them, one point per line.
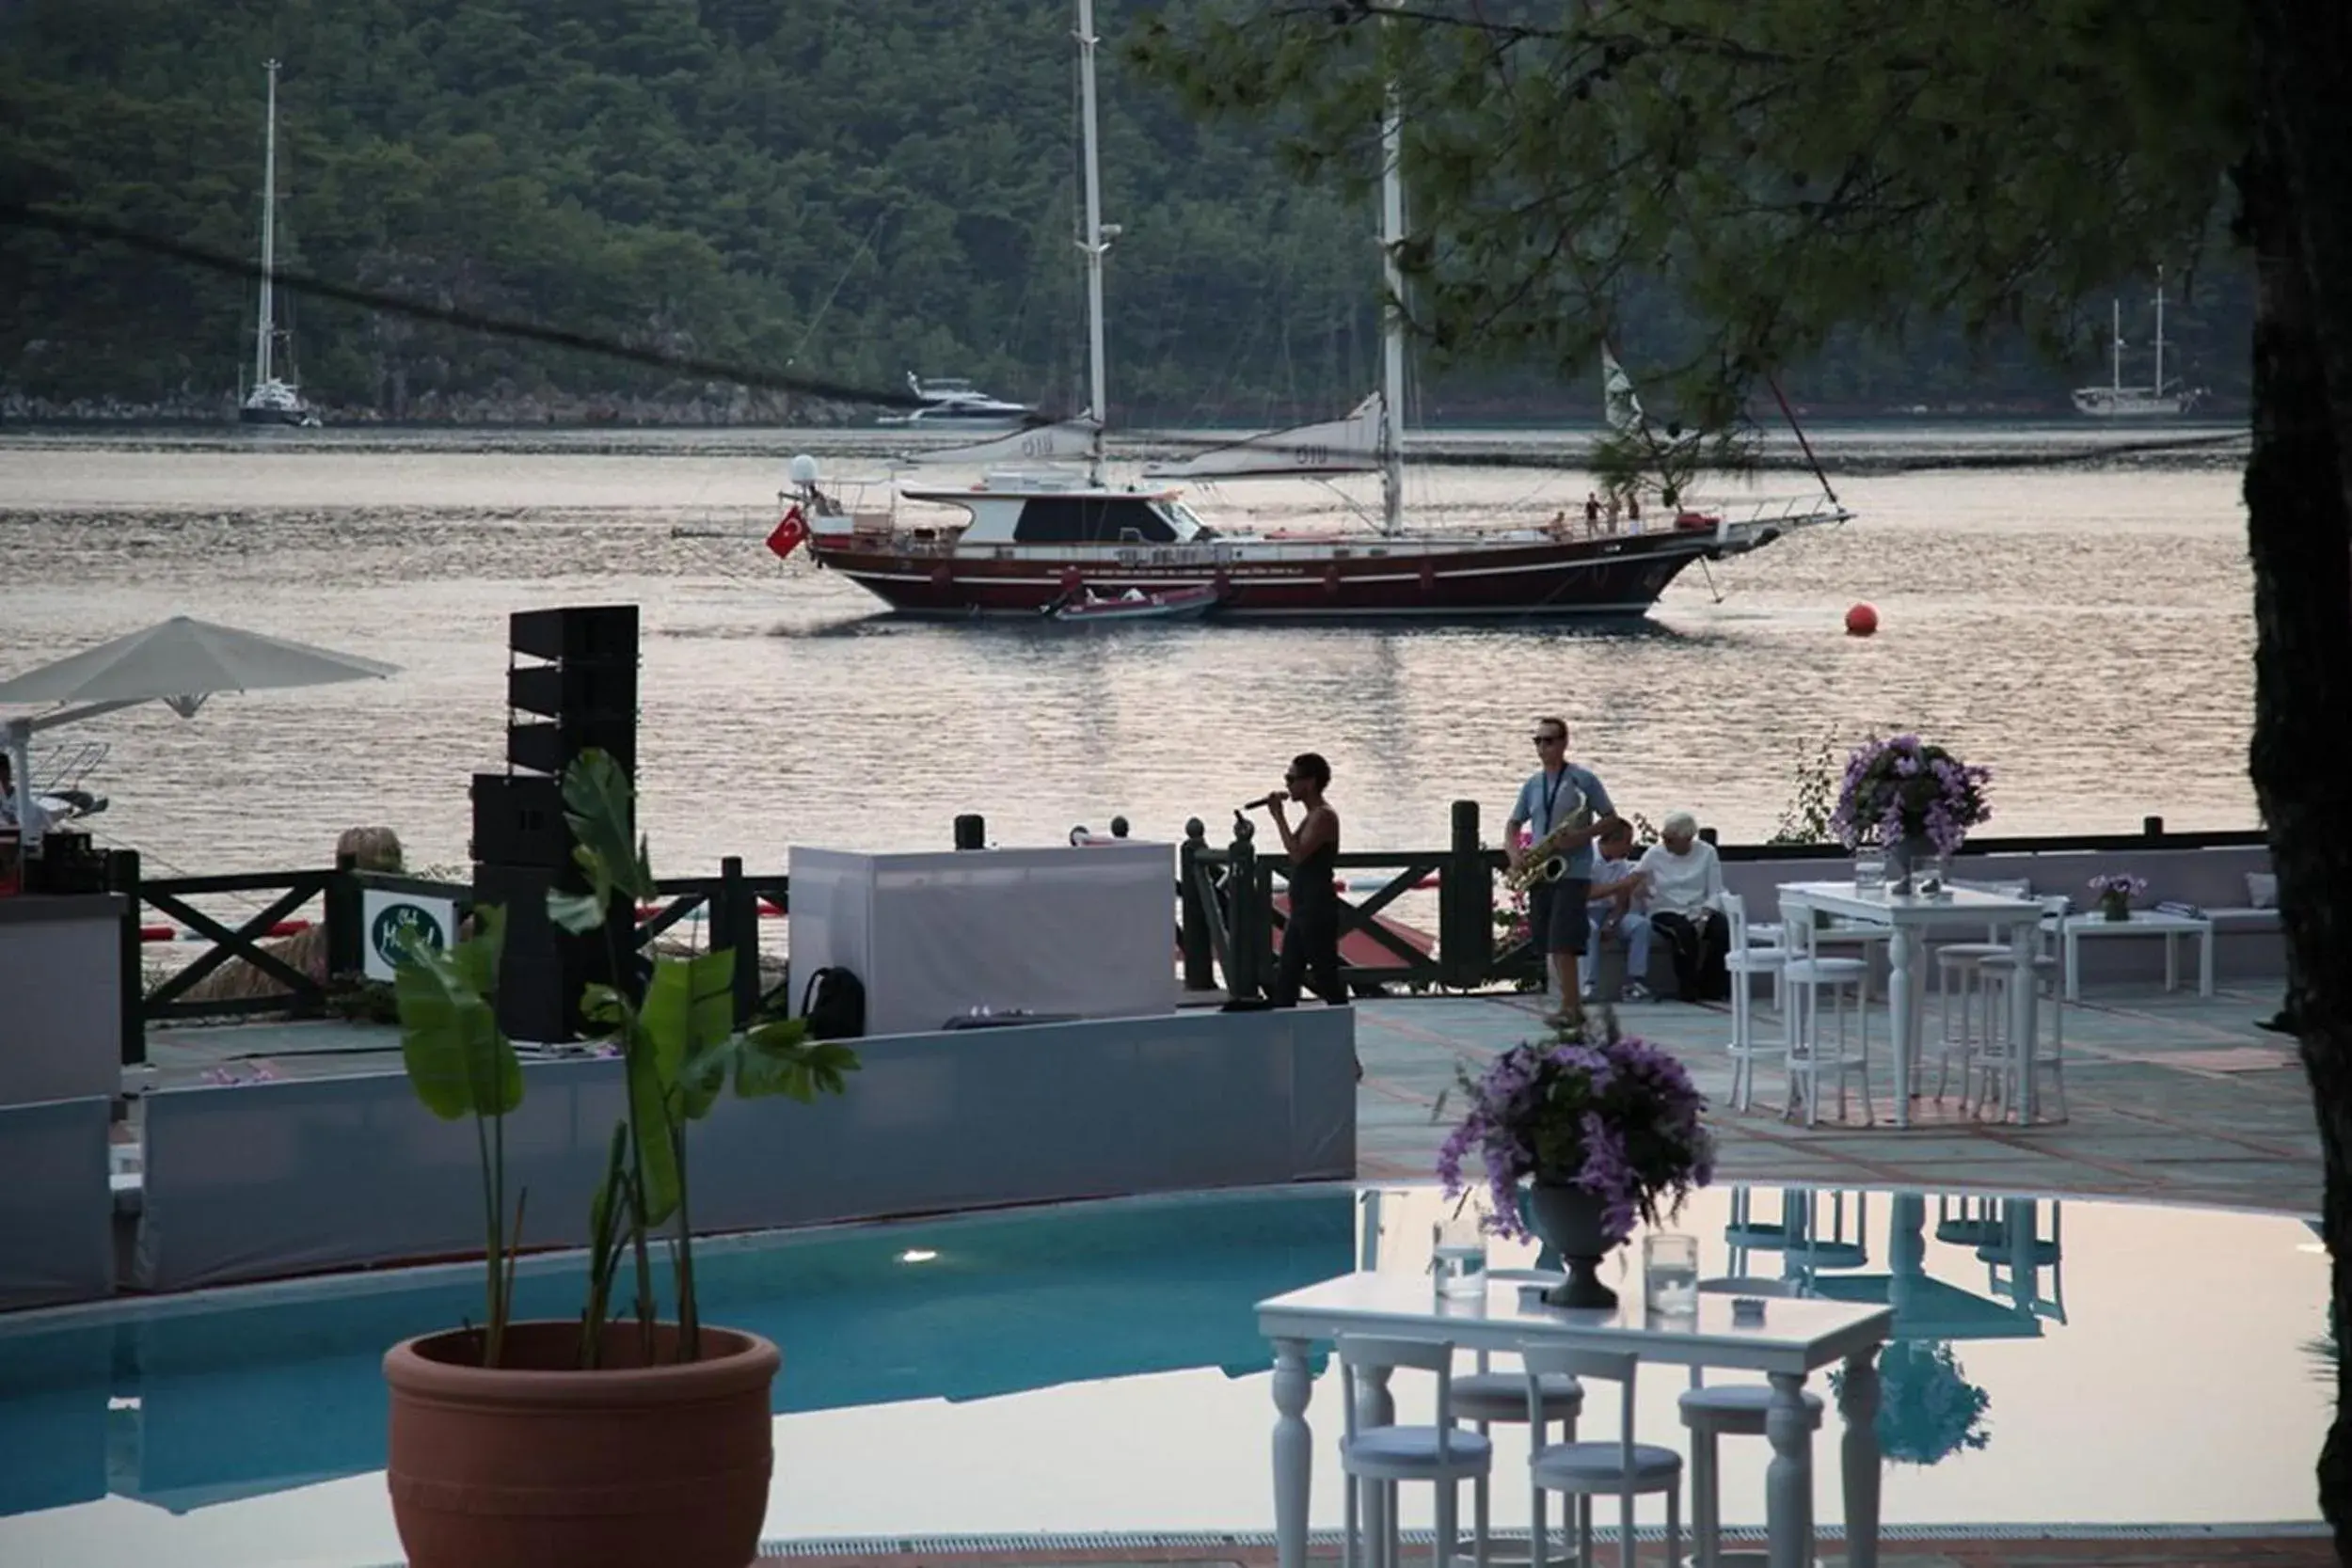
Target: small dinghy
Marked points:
1085	606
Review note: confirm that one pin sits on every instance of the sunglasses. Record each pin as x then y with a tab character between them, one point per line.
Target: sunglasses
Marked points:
1550	739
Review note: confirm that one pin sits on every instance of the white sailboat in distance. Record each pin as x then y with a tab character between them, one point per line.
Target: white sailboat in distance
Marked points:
273	398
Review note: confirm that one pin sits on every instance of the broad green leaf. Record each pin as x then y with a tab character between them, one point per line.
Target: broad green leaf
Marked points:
649	1109
477	956
779	1058
597	805
704	1076
580	913
688	1005
689	1010
458	1061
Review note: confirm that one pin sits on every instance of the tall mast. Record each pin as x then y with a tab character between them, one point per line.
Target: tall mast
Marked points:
1093	243
2159	386
1391	307
2115	333
265	328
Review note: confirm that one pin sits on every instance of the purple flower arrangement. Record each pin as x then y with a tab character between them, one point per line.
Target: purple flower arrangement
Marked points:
2115	892
1619	1118
1907	789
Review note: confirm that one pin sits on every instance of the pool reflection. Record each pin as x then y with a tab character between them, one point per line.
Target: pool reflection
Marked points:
259	1395
1007	1357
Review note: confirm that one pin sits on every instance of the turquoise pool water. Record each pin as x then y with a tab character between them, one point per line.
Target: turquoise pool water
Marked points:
1095	1368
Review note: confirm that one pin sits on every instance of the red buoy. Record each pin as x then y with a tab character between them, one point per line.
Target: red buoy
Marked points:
1861	621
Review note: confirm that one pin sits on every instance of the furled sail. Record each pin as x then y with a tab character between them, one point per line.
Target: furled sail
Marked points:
1348	446
1624	409
1067	441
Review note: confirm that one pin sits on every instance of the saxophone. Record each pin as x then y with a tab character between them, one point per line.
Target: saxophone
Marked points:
1548	858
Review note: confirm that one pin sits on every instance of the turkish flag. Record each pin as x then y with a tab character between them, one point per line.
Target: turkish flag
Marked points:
788	533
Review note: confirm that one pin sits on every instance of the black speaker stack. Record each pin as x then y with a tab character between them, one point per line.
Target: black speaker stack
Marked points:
571	686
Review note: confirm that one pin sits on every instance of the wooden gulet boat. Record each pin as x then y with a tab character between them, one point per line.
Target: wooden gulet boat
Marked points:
1030	539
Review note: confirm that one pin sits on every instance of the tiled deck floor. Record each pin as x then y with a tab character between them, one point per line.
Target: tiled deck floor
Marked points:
2172	1096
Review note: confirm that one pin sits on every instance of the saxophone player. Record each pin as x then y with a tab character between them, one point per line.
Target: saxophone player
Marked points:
1559	918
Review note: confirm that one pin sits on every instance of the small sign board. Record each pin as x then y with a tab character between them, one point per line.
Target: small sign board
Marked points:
393	921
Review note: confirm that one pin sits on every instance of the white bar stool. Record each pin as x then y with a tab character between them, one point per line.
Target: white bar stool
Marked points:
1445	1454
1766	937
2008	1059
1961	1001
1587	1470
1809	1058
1866	941
1745	961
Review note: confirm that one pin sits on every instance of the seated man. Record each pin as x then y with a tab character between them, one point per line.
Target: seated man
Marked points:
1617	898
1686	905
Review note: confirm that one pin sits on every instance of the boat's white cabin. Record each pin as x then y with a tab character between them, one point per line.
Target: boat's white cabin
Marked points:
1044	507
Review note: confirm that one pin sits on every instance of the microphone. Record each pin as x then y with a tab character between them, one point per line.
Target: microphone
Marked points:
1261	801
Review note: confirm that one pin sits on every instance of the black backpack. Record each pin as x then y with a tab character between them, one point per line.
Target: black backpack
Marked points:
834	1004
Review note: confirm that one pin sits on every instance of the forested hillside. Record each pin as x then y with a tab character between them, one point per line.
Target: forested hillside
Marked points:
850	189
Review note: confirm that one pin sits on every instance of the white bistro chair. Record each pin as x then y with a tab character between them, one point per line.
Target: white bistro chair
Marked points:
1745	958
1444	1454
1488	1399
1713	1411
1625	1468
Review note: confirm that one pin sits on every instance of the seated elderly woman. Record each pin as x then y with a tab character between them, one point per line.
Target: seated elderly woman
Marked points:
1685	884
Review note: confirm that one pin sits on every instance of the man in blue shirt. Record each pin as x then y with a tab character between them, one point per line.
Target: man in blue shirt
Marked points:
1559	919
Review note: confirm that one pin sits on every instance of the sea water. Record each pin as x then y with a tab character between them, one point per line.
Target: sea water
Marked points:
769	686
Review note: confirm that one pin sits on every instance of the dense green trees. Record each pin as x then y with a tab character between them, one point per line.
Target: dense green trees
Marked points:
853	187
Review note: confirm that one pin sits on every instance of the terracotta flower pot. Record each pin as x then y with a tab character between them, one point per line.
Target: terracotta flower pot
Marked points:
536	1463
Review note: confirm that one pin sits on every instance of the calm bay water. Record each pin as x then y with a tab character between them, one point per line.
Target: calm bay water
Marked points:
2086	633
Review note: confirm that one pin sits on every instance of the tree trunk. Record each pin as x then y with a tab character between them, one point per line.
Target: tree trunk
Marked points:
2296	194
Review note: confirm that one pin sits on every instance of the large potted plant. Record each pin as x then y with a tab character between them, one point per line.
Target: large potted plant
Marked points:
621	1437
1599	1133
1912	799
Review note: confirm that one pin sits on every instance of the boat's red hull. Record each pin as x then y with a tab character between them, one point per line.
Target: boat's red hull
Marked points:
1607	575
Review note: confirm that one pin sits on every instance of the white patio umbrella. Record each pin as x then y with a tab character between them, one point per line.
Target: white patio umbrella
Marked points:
179	662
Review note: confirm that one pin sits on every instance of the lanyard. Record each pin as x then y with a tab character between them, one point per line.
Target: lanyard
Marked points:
1551	797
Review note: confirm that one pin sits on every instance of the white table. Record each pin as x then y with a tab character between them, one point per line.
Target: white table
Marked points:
1909	919
1796	1338
2143	923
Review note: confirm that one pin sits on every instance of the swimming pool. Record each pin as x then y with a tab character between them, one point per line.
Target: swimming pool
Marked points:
1095	1368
